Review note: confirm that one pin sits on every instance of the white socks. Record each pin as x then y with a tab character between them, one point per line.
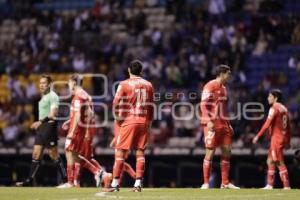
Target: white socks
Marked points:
115	182
138	183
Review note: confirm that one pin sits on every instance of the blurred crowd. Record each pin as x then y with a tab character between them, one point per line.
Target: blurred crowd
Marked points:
179	43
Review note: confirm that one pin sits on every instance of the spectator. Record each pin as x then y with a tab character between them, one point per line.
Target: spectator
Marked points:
10	134
296	35
261	45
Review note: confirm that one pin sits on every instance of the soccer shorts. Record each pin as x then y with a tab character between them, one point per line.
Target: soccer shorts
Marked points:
87	149
221	136
75	144
132	136
276	150
46	134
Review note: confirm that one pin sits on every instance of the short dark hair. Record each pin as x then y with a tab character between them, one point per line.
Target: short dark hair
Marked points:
277	93
222	69
76	78
49	79
136	67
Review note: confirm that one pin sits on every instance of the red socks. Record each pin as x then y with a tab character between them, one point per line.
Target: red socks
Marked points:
206	170
225	167
118	166
284	176
96	163
128	169
270	176
77	174
88	165
70	174
140	167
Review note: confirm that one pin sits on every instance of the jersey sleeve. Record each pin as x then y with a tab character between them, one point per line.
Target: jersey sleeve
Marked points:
268	122
206	104
77	105
54	101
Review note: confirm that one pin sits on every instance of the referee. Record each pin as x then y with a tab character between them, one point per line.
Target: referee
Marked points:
46	131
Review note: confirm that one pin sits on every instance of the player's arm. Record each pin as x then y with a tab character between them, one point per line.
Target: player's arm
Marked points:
117	101
205	106
88	122
267	124
76	118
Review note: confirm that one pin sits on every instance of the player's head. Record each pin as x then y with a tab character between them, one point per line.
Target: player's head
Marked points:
45	83
275	95
74	81
135	68
223	72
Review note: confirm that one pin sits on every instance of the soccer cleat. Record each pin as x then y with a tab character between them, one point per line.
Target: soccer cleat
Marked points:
287	188
205	186
65	186
111	189
229	186
137	189
26	183
107	178
267	187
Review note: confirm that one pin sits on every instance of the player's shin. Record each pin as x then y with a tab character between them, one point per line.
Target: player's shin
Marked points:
206	169
128	169
88	165
70	174
96	163
118	166
225	167
140	169
284	176
270	175
77	174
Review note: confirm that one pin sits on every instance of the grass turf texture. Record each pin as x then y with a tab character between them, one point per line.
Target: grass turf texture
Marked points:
12	193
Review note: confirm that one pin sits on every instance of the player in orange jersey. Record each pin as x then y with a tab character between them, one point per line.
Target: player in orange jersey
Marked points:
77	129
133	109
217	129
279	129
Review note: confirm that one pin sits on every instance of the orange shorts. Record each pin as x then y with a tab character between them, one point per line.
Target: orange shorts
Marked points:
220	137
132	136
276	150
75	144
87	149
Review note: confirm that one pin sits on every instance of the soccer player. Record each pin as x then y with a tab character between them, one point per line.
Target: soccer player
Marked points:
217	129
133	110
279	129
46	131
80	110
86	154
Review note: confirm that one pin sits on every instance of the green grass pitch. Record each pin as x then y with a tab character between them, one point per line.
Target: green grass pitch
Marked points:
12	193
